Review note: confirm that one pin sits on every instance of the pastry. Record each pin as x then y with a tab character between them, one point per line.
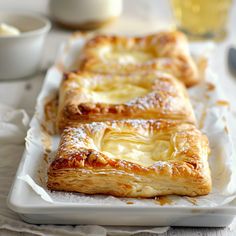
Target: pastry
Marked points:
164	51
86	97
132	158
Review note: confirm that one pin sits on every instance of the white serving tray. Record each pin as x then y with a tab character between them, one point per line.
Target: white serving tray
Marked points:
33	209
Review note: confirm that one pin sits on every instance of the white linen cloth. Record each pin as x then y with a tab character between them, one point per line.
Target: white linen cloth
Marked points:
13	128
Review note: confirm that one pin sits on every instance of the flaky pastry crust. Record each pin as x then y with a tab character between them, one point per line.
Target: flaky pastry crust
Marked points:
86	97
164	51
132	158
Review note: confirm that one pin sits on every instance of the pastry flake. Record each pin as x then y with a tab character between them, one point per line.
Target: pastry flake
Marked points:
164	51
87	97
132	158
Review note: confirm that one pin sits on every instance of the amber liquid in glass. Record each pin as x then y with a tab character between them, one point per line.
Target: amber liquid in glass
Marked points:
202	18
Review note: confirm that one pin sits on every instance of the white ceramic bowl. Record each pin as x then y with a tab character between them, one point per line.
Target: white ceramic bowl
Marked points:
84	14
20	55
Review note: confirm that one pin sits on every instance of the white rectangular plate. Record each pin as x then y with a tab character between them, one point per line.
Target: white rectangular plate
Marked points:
35	204
31	208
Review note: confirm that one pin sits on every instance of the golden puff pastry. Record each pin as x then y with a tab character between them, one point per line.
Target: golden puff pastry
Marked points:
86	97
164	51
132	158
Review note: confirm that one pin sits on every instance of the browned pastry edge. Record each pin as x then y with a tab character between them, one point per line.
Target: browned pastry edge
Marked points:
160	103
89	171
172	48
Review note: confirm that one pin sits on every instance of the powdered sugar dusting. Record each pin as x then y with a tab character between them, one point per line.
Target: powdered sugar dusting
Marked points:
142	103
161	164
73	137
97	127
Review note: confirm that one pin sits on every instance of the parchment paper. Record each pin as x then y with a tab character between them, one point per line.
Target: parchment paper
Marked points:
214	118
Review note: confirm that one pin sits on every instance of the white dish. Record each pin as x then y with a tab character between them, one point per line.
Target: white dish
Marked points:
84	14
35	204
20	55
32	209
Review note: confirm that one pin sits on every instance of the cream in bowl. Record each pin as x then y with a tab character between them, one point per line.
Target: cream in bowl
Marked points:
22	37
8	30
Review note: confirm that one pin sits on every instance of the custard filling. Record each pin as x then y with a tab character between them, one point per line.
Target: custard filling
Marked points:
141	149
117	93
125	56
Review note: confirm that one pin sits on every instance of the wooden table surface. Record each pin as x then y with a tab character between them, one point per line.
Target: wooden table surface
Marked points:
155	14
